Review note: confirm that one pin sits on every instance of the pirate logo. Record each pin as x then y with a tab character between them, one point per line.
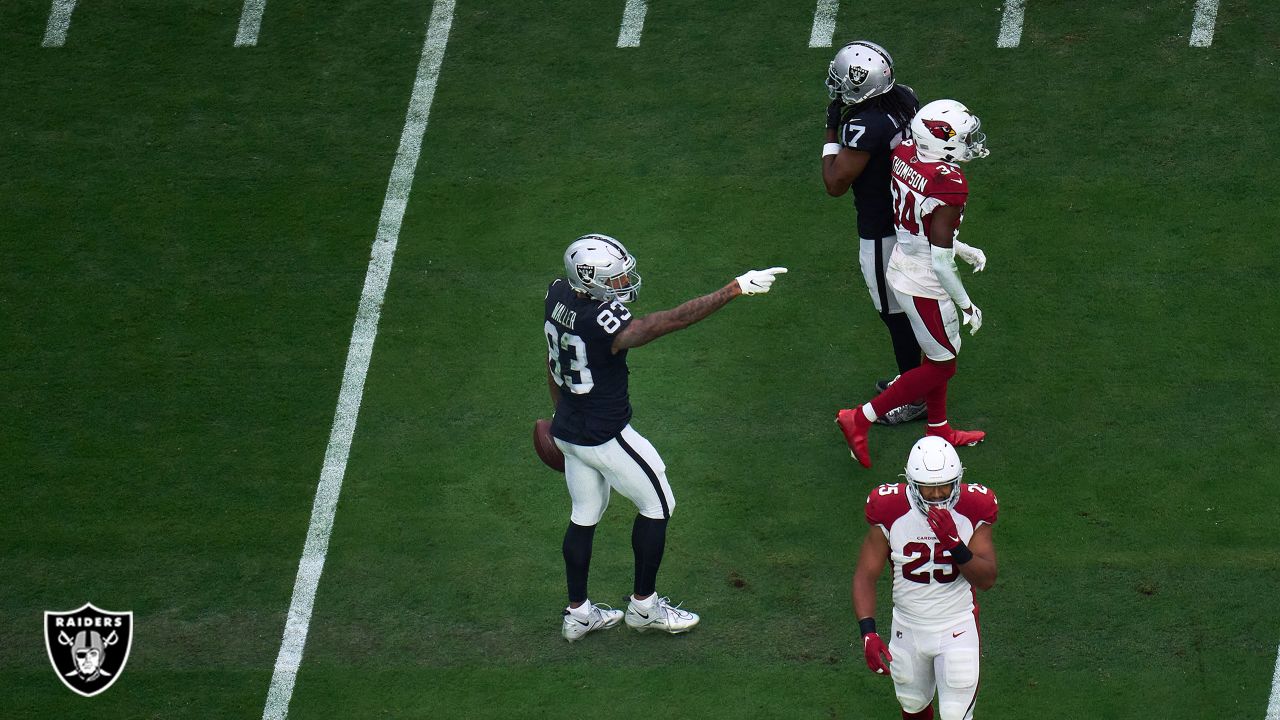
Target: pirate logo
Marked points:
857	75
88	646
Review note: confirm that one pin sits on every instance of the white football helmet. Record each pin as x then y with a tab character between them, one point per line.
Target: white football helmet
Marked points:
861	70
946	130
933	462
601	267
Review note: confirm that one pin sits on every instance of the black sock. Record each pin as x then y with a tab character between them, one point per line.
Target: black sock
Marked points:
648	539
905	348
577	559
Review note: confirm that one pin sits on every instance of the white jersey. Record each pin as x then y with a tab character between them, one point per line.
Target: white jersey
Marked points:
919	187
928	590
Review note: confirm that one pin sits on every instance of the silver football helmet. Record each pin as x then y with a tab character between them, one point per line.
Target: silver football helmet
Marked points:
861	70
933	462
601	267
946	130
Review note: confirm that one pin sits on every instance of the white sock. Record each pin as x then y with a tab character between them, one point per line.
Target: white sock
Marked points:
582	611
647	602
868	413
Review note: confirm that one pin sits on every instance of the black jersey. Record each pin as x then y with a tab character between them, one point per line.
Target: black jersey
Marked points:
594	404
871	129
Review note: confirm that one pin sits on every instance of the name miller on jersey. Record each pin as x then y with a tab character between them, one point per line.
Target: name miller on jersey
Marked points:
564	315
909	174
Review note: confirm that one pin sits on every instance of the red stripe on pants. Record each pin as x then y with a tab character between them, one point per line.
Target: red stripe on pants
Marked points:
931	314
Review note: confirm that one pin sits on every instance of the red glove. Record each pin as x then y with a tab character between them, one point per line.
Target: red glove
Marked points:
944	526
873	648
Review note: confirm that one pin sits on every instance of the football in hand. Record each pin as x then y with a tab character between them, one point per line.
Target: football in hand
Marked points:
546	447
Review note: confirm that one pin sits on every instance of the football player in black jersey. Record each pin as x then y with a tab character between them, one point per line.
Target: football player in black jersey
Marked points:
589	329
868	116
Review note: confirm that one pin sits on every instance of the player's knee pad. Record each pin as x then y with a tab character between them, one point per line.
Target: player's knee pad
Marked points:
961	669
902	670
960	675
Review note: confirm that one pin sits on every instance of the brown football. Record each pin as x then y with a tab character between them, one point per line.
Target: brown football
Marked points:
546	447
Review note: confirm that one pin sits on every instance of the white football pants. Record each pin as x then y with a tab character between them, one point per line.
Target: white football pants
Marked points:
873	271
629	464
936	324
942	661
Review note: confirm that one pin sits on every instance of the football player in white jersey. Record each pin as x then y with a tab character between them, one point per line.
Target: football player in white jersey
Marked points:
929	195
936	530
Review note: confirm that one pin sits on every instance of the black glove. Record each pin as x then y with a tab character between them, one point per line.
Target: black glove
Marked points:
834	111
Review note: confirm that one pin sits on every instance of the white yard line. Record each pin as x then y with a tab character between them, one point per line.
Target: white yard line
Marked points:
358	355
250	23
1202	25
824	23
1273	706
632	24
1011	24
55	34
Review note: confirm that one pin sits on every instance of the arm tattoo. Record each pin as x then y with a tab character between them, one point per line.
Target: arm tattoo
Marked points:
655	325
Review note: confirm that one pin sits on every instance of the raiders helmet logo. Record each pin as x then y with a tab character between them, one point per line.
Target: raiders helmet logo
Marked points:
586	273
857	75
88	646
940	129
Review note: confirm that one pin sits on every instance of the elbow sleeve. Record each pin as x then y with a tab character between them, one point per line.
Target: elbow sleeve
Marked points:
944	266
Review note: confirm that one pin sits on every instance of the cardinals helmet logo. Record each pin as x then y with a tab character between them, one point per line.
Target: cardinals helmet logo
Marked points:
940	129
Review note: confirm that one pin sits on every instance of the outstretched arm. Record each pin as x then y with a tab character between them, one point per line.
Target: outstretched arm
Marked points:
646	329
654	325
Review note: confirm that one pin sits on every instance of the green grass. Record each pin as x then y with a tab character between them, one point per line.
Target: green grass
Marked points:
185	238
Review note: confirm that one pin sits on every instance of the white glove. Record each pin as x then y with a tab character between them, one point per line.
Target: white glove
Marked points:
756	282
972	255
972	317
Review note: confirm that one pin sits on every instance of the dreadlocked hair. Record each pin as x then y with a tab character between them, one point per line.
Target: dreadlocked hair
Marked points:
899	103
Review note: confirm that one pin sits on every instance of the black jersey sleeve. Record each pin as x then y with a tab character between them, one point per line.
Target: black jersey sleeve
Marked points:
871	131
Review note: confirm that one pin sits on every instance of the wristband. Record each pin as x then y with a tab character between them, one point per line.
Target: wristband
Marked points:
961	553
867	625
830	149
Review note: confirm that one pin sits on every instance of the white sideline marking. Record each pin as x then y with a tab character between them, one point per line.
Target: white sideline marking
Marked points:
1202	25
55	34
362	337
250	23
632	24
824	23
1273	707
1011	24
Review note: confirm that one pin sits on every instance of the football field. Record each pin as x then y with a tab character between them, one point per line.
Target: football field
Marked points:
251	272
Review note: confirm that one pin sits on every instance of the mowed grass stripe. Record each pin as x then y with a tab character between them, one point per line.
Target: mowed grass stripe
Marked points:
362	338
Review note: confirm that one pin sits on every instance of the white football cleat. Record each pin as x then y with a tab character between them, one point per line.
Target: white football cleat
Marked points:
599	617
657	613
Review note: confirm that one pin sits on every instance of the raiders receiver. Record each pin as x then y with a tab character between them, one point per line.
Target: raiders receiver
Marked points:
936	532
589	330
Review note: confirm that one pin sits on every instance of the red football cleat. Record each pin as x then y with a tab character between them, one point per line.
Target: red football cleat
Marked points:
957	437
855	425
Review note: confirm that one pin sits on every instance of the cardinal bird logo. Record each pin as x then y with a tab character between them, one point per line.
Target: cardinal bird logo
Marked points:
940	129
